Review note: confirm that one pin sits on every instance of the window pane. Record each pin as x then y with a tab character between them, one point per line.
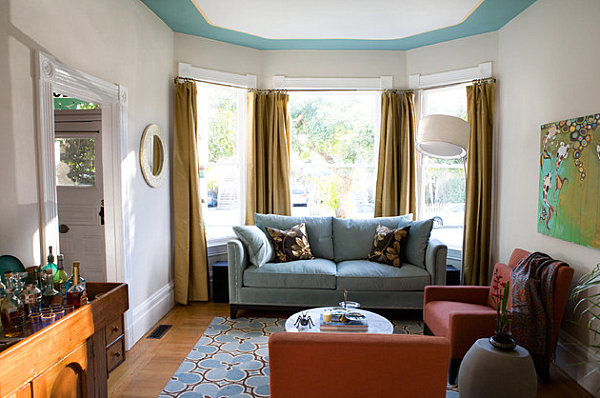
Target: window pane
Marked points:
443	180
76	162
444	199
333	154
219	140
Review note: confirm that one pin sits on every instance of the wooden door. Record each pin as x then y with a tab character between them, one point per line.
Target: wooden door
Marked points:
79	188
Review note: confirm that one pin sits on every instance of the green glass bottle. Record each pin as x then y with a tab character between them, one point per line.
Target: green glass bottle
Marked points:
50	265
61	277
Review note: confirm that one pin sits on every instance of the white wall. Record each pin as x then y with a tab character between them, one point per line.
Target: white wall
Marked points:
210	54
115	40
547	72
461	53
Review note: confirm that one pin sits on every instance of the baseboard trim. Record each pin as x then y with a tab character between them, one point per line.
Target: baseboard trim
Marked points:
139	320
579	361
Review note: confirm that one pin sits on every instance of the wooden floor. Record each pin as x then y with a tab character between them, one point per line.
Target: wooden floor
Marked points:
150	363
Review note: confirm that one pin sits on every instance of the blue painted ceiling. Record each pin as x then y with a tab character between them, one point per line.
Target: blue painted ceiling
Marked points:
183	16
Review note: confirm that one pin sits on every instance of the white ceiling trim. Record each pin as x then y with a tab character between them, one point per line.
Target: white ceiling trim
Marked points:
215	76
481	71
332	83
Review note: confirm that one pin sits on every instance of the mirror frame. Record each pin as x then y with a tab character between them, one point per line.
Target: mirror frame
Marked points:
150	132
53	76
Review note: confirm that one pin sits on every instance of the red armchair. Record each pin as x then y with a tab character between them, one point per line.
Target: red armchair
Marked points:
357	365
464	314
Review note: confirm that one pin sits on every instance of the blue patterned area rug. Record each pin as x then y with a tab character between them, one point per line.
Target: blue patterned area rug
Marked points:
231	359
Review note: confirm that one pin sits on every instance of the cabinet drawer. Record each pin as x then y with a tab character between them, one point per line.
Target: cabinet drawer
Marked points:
115	354
113	330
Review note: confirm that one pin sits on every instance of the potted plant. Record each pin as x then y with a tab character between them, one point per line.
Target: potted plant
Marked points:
589	304
502	339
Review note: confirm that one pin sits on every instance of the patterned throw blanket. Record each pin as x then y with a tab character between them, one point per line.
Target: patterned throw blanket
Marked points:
532	303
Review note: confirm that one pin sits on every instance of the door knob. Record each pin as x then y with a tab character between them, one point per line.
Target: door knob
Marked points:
63	229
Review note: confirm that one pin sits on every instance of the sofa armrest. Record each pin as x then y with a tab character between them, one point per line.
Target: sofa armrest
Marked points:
435	261
237	261
462	294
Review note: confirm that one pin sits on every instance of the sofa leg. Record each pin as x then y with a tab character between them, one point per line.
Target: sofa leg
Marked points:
233	309
453	372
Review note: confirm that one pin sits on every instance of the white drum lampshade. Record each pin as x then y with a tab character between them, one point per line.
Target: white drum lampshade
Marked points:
443	136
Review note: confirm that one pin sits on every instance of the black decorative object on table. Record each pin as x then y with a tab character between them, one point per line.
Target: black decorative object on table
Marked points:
303	321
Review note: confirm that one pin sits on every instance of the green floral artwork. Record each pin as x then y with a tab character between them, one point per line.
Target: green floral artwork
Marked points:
569	198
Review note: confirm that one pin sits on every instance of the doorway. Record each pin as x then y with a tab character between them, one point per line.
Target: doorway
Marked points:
79	187
56	77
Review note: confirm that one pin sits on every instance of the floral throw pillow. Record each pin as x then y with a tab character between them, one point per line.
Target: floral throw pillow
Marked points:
291	244
388	245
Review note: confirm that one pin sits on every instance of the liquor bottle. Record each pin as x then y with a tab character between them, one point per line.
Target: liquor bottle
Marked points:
50	264
71	279
61	277
31	297
49	294
12	314
77	294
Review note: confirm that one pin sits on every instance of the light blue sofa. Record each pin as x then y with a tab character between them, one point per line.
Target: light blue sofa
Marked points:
340	248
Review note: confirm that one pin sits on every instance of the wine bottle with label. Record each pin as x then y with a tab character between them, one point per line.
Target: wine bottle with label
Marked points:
61	277
77	294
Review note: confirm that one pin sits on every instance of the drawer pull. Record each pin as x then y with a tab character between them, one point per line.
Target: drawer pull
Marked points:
117	354
115	329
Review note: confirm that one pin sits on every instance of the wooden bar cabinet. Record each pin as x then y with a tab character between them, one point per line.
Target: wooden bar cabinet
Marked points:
73	356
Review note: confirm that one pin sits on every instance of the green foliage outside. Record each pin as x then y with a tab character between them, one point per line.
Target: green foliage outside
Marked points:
80	157
62	103
222	135
443	184
337	130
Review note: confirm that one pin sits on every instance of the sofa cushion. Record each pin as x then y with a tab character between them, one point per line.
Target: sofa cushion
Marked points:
310	274
318	230
256	243
418	238
388	245
367	275
353	238
290	244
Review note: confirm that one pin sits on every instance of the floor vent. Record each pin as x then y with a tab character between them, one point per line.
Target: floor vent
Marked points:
159	331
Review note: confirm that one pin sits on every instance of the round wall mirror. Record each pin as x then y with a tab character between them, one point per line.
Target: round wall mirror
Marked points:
153	155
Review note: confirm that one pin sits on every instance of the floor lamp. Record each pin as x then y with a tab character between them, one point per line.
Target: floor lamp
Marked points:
445	137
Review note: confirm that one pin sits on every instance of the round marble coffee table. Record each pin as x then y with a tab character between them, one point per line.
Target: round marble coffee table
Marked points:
376	323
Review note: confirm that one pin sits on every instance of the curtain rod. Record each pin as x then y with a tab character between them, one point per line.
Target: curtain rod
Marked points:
290	89
474	81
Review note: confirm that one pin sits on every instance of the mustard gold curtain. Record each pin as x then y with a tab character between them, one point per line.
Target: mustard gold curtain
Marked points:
478	206
395	189
268	178
190	259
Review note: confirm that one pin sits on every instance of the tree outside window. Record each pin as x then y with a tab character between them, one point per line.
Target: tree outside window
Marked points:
333	167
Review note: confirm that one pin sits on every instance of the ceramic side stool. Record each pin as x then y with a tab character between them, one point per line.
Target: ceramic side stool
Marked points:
488	372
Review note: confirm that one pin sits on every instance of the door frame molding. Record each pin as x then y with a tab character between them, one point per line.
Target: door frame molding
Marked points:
54	76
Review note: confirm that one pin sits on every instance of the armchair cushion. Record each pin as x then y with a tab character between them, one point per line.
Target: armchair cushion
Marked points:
461	323
465	294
